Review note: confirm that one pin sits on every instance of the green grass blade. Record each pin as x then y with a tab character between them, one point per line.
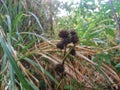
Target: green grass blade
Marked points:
8	22
42	69
17	20
33	86
37	21
14	64
12	78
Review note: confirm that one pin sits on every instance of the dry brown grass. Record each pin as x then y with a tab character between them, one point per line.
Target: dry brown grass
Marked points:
79	67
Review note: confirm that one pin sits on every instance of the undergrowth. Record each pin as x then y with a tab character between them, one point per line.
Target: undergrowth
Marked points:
36	55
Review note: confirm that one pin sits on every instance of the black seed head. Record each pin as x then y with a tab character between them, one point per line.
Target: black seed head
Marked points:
60	45
72	52
66	41
73	32
59	68
63	34
74	39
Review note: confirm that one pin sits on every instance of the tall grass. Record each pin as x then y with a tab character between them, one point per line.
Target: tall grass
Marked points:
16	17
28	64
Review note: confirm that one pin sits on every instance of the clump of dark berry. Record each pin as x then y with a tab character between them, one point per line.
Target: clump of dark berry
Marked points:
72	32
59	68
74	39
63	34
72	52
66	41
60	45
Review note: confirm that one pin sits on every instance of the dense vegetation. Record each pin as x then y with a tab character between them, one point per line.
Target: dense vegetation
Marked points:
42	50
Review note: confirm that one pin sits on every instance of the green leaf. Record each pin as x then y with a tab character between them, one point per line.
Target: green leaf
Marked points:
33	86
37	21
107	59
41	68
8	22
12	78
14	64
117	65
17	20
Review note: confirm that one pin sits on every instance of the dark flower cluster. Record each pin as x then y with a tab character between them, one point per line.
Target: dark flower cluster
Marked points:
66	38
60	45
63	34
74	37
72	32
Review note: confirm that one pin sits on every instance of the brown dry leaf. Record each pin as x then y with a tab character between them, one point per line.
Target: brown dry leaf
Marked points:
81	67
